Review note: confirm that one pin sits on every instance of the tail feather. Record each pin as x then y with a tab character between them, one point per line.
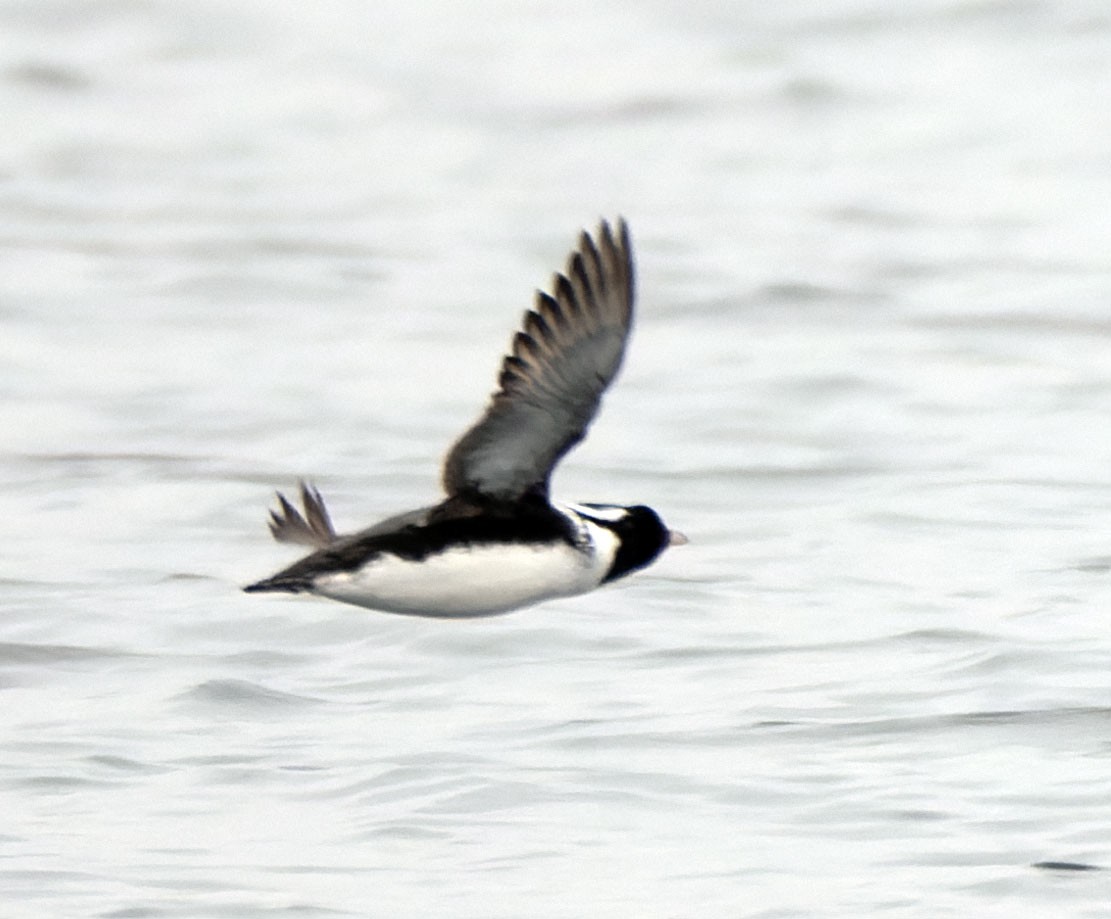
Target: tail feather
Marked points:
317	514
278	583
313	529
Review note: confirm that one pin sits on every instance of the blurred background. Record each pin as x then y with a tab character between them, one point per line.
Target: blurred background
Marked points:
244	243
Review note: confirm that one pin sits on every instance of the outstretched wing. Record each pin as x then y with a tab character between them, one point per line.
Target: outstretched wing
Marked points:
567	352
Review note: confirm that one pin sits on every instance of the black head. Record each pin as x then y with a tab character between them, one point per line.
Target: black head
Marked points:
641	536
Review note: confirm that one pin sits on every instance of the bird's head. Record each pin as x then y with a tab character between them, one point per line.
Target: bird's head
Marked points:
641	535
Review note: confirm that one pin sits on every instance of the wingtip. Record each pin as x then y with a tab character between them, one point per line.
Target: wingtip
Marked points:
615	231
625	236
613	244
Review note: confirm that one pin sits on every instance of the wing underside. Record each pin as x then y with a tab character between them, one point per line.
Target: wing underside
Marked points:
567	352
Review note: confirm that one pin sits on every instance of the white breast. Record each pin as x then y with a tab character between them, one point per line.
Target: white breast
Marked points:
475	581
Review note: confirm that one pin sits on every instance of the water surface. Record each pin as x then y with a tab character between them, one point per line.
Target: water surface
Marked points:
871	381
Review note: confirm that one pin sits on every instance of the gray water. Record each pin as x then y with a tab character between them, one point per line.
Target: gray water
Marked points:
871	380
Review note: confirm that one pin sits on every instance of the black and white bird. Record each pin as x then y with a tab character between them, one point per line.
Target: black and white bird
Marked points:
498	542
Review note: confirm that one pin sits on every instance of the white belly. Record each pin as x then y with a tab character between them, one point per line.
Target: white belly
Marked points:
468	581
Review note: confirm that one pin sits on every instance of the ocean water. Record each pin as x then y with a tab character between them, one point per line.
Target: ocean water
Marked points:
246	243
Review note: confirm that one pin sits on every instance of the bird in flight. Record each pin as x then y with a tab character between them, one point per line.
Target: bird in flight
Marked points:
498	542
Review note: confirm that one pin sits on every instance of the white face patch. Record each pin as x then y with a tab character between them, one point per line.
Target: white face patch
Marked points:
609	513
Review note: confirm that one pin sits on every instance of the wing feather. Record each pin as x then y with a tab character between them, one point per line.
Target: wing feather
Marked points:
568	350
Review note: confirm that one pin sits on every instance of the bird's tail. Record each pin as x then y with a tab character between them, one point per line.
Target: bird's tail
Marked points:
291	585
313	529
